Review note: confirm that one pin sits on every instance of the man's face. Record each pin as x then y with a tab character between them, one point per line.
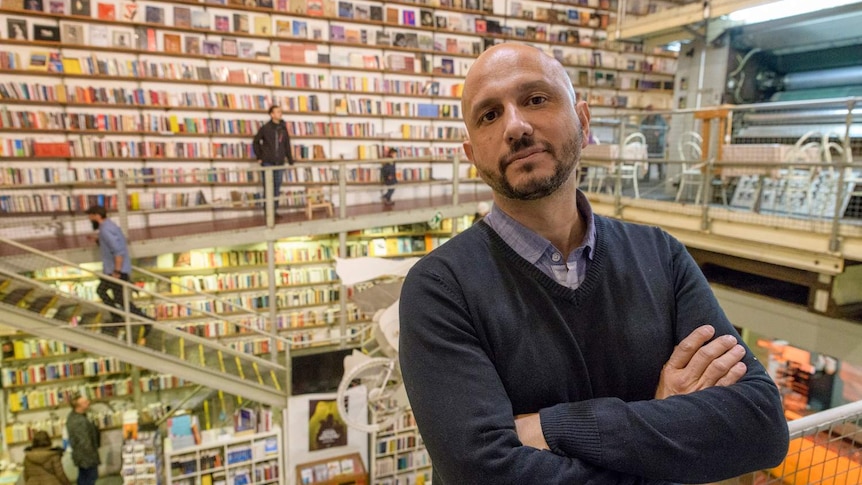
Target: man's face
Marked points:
525	130
83	404
276	114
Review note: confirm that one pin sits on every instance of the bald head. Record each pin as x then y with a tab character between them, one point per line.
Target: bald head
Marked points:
509	59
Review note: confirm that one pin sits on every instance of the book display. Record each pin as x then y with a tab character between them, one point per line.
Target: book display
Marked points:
251	459
337	470
170	93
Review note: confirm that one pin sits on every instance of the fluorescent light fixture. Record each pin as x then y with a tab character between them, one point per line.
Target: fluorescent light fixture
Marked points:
784	8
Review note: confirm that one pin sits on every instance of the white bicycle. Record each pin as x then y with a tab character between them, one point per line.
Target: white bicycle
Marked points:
377	287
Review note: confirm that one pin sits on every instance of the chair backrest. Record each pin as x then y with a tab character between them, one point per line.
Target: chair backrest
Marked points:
690	146
634	146
314	195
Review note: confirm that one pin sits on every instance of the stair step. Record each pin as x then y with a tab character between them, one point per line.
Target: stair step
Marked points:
42	304
65	313
17	296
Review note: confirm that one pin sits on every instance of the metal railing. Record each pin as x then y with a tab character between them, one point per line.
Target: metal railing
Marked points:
825	448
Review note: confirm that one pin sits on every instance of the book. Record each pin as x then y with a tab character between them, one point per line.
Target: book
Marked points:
262	25
282	28
345	9
246	49
35	5
229	47
375	12
172	42
426	17
81	7
121	39
73	33
240	23
16	29
130	11
106	11
211	48
182	17
39	61
99	35
300	29
155	15
222	23
71	65
57	7
408	17
200	19
192	44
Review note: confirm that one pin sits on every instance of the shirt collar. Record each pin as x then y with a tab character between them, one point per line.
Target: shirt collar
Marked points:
530	245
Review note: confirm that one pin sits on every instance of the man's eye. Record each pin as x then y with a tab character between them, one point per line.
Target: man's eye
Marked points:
489	116
537	100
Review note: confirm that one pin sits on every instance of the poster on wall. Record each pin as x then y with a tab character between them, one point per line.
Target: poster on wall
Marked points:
326	428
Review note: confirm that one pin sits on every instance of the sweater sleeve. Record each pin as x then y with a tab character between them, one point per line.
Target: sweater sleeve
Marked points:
287	149
705	436
255	144
461	406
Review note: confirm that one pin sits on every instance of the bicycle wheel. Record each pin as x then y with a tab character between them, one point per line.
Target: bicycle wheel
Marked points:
382	379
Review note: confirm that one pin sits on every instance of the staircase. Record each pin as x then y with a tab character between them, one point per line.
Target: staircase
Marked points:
45	311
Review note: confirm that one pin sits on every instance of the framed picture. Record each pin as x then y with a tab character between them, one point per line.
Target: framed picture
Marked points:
228	47
16	29
73	34
49	33
211	48
121	39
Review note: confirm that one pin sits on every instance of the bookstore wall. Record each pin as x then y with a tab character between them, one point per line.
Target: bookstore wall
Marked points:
170	93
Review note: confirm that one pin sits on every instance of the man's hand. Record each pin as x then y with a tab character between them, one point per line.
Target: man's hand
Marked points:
696	365
529	429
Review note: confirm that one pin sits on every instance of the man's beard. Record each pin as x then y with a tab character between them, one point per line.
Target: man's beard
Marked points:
95	225
565	163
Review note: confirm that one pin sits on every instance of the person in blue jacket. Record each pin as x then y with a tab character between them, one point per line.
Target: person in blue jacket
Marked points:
550	345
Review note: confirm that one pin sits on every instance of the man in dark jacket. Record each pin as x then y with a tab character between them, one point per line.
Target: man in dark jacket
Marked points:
84	439
272	147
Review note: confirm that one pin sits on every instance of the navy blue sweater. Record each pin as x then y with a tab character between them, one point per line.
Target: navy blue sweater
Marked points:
485	336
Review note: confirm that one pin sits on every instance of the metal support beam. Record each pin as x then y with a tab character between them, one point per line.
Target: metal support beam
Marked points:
673	20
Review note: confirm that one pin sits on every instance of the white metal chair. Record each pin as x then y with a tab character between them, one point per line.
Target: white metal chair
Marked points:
795	183
632	157
690	148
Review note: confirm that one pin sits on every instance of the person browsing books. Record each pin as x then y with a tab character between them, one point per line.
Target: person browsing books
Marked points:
388	175
272	147
84	439
42	463
550	345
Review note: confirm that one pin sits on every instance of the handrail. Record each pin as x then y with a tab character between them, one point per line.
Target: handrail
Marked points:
213	343
130	286
804	424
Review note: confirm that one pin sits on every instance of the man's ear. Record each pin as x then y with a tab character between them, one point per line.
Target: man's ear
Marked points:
468	149
583	112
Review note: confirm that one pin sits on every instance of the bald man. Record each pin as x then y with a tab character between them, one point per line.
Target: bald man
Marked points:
547	344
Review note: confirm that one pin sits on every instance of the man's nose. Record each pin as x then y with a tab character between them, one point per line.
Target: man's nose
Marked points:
517	125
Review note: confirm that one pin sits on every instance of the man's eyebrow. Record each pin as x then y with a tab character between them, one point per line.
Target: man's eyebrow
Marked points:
539	84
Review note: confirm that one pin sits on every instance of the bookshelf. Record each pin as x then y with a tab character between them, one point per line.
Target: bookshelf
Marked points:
399	454
170	93
40	377
253	459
